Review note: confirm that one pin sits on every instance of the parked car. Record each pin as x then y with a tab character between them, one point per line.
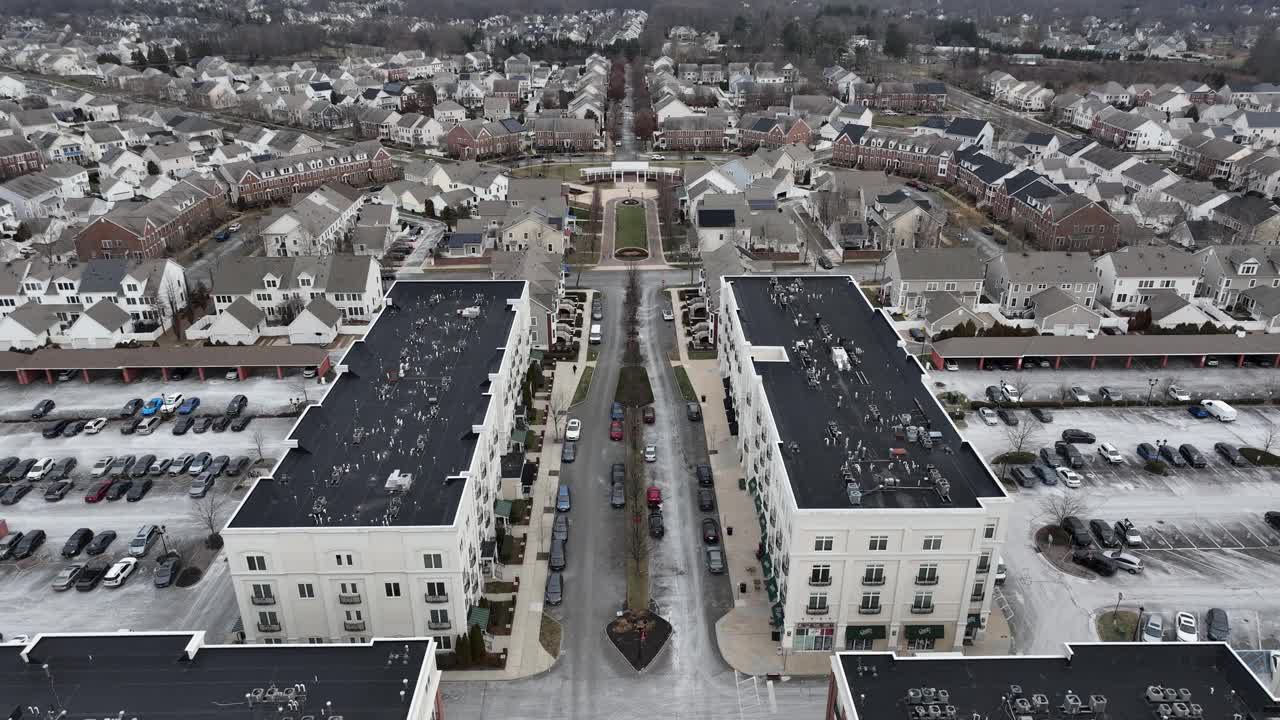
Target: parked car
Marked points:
42	408
650	417
99	491
1110	454
1148	452
710	531
1024	476
1042	415
988	416
1170	455
657	528
180	464
1177	393
1230	453
1185	627
218	465
693	411
1047	475
171	402
73	428
237	466
130	426
188	406
130	408
1106	536
240	423
993	394
66	577
120	572
1075	435
28	545
1110	394
559	558
1076	529
653	496
1153	629
573	429
6	464
706	500
715	560
1128	562
237	405
562	499
1007	417
1217	627
20	470
560	528
118	489
152	406
183	424
1094	560
200	463
77	542
1128	533
1050	458
54	429
202	424
1069	454
703	473
617	495
8	543
167	568
616	412
569	452
553	594
201	485
1069	477
615	430
1197	411
100	542
90	576
39	469
14	493
650	453
142	466
1079	395
146	536
1192	455
221	423
952	366
58	490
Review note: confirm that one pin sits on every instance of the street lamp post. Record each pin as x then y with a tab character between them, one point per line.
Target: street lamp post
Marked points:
1115	614
1151	388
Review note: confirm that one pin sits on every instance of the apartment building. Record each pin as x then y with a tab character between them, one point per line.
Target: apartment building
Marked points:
1228	271
1014	278
264	181
915	277
695	132
18	157
152	228
474	139
926	156
854	551
1131	276
774	132
316	224
194	673
320	553
566	134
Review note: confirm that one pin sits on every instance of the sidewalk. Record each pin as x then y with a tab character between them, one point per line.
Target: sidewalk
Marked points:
525	655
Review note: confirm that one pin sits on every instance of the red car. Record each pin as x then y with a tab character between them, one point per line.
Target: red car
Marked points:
98	492
615	430
653	495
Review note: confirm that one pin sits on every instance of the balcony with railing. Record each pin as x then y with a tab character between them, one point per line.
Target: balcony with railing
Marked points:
443	625
269	627
870	610
922	609
820	581
926	579
349	598
817	609
436	599
353	625
263	600
872	580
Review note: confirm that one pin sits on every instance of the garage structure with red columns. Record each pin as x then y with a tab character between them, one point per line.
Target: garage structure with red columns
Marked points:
244	360
1198	348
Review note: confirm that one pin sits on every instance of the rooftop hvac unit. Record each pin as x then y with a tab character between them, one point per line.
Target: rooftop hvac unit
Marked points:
1015	691
950	712
944	696
920	711
914	696
469	312
1098	703
935	712
1071	704
1196	710
1181	710
1164	711
1184	695
1040	701
1155	693
1022	705
1170	695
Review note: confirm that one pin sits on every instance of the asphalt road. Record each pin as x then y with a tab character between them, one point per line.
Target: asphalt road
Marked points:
1009	120
689	679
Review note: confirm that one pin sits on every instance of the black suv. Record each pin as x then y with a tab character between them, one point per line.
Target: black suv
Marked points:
1068	452
1103	531
704	476
1192	455
1095	561
1076	529
1075	435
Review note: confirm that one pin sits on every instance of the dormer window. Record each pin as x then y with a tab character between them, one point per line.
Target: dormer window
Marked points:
270	283
304	281
1249	268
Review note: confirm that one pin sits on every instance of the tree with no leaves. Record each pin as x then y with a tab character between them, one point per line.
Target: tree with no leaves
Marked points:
1019	439
1267	440
1053	509
208	512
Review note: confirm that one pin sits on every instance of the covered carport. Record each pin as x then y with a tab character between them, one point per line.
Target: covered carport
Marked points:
30	367
1198	348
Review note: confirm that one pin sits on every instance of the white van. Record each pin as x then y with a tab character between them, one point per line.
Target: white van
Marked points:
594	337
1220	410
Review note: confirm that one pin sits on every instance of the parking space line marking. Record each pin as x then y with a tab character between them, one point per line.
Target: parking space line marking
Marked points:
1216	545
1228	533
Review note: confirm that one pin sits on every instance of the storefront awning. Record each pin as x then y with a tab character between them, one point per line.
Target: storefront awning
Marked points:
480	616
864	632
924	632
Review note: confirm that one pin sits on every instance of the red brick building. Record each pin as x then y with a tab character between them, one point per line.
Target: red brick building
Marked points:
477	139
1068	222
566	135
147	229
18	157
261	182
774	132
925	156
696	132
921	97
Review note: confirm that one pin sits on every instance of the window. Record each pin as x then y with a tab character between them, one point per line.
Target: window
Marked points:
932	542
256	562
949	286
343	559
315	640
392	589
979	591
931	287
444	642
306	591
262	592
268	621
273	641
927	574
873	574
436	590
870	604
432	561
878	542
439	617
817	604
989	532
922	603
354	616
824	543
271	283
820	575
984	562
222	299
348	588
859	644
1146	284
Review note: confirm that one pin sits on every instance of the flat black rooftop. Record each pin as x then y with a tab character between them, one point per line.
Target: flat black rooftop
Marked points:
1120	672
152	677
865	403
413	391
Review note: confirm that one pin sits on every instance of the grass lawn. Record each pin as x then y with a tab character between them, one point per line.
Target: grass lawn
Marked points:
633	388
584	385
1117	628
629	227
899	121
686	385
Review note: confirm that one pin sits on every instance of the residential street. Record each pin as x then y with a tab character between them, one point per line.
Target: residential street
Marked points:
1009	120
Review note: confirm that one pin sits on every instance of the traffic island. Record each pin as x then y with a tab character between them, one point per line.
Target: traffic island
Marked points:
640	636
630	231
1054	544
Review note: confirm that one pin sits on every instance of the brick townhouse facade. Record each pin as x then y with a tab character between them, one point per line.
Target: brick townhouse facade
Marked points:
925	156
696	132
908	97
566	134
149	229
261	182
477	139
18	157
774	132
1069	222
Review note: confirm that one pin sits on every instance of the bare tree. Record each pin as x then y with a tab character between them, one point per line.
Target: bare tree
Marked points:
259	441
208	512
1267	439
1053	509
1064	393
1018	438
558	417
301	387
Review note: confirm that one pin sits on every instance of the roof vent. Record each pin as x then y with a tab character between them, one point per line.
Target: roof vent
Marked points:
399	482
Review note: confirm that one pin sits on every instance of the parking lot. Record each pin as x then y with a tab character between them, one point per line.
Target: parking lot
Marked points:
1225	380
25	585
1204	541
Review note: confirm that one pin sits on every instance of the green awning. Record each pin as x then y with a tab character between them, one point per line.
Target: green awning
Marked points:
975	620
758	505
480	616
864	632
536	356
775	616
924	632
502	509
